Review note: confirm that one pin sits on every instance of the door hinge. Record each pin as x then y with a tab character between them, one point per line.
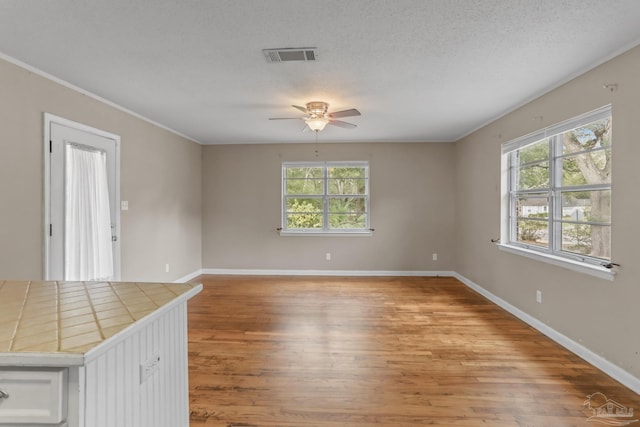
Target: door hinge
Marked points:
50	146
50	230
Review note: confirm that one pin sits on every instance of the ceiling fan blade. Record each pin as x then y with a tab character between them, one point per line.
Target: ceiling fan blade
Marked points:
342	124
305	128
345	113
304	110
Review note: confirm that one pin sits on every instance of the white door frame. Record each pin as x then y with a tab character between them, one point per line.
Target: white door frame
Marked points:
48	120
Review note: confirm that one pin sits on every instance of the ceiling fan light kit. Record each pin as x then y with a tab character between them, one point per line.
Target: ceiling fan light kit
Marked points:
317	108
317	116
317	123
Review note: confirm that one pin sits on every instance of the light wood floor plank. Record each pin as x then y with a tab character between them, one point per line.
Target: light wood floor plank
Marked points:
356	352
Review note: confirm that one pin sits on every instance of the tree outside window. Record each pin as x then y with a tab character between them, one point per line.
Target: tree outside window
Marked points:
560	190
331	196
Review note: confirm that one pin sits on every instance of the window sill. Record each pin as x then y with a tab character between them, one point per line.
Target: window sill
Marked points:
580	267
364	233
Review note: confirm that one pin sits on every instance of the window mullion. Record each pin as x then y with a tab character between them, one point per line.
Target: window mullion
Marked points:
283	199
325	199
555	167
513	185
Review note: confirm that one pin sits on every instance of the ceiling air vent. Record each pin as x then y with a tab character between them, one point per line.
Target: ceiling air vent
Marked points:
291	54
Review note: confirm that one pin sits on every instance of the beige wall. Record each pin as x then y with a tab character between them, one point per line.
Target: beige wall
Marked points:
412	209
160	177
600	314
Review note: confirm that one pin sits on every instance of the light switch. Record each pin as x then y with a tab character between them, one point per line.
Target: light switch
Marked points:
124	205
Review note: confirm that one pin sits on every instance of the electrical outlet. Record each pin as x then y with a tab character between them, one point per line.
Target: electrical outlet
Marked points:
149	367
435	257
328	256
539	297
166	268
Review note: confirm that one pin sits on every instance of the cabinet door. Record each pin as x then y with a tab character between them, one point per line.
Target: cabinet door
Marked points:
37	396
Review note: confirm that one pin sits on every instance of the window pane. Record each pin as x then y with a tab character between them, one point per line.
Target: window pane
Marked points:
588	137
534	152
347	186
305	186
533	232
532	206
304	173
592	167
533	176
586	239
304	213
304	220
347	180
587	206
347	204
347	172
353	220
347	212
310	205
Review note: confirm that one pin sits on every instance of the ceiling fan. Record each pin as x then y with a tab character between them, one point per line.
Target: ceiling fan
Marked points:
317	116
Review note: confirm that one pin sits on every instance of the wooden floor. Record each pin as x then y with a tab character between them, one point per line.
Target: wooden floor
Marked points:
356	352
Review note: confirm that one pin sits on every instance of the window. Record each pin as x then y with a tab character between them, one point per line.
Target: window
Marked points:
558	182
325	197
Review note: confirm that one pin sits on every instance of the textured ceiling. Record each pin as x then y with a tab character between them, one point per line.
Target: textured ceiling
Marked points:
418	70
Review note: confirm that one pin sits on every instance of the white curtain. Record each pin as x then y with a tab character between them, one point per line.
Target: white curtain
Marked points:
87	242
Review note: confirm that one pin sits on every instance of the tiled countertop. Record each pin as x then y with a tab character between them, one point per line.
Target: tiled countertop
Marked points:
74	317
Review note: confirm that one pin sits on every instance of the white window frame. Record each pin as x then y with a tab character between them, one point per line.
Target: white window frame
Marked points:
552	254
325	230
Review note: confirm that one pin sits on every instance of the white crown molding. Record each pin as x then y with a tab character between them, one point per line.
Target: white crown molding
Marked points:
92	95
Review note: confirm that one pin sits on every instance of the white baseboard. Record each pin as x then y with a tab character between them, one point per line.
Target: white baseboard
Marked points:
578	349
356	273
189	277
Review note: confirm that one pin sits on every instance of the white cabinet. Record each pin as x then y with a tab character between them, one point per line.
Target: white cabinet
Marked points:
138	378
135	375
33	396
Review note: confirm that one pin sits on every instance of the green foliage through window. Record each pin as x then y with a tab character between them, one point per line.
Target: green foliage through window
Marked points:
325	196
560	189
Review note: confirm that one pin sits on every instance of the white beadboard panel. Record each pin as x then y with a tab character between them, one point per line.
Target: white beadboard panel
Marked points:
115	396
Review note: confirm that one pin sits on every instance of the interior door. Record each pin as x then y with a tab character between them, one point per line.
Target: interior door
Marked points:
61	135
